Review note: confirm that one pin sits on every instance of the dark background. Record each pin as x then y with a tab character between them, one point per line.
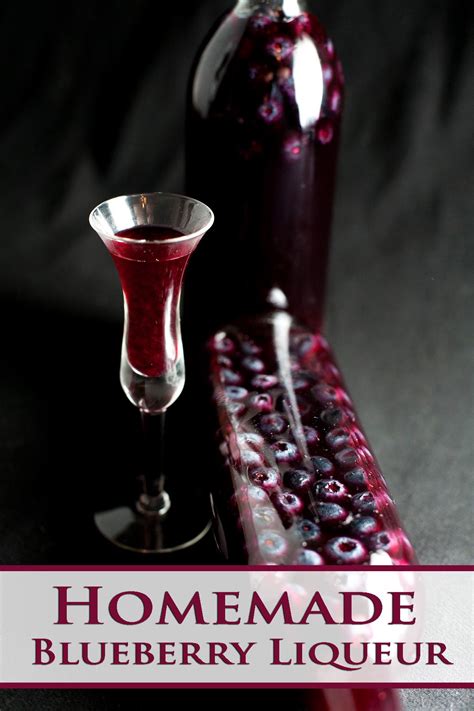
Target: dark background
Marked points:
92	105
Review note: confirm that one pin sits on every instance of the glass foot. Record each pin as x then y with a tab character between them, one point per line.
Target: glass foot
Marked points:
150	533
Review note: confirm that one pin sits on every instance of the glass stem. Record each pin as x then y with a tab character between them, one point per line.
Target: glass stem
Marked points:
153	500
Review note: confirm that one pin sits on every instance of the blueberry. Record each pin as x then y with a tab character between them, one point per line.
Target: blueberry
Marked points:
286	452
309	558
251	459
264	517
302	382
310	532
364	503
230	377
264	382
263	402
271	111
280	48
333	417
265	477
328	73
260	23
250	348
330	490
272	545
292	146
364	526
288	505
347	458
324	394
256	495
234	392
250	439
222	344
308	345
325	131
224	361
272	425
299	480
345	550
382	541
255	365
323	467
311	436
356	479
331	514
235	408
338	438
335	101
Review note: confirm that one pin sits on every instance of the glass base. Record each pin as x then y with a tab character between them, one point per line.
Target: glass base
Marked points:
151	533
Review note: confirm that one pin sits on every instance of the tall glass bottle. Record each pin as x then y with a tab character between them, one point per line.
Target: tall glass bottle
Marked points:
264	116
299	483
263	124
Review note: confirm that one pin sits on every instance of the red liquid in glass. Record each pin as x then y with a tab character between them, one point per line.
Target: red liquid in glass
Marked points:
263	130
151	277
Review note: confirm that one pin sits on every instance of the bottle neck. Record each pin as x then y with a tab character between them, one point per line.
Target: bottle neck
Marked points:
289	8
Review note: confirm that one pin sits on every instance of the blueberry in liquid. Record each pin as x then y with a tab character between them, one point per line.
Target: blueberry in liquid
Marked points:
338	438
330	490
286	452
323	467
364	503
344	550
299	480
331	514
356	479
310	532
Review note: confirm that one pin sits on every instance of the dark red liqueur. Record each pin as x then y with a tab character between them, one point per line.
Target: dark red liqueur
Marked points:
151	277
263	130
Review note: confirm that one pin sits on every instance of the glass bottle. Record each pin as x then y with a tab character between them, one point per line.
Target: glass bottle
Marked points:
299	483
264	114
263	124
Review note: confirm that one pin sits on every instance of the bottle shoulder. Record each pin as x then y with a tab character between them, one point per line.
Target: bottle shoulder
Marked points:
217	51
254	69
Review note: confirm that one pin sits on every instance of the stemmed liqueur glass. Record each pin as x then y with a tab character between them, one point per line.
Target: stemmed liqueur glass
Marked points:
150	238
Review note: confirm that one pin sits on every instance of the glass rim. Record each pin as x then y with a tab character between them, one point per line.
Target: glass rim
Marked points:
169	240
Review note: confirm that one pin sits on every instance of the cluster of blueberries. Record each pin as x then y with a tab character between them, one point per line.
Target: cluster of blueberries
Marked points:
311	492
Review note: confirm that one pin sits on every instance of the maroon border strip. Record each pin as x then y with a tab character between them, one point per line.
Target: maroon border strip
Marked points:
164	685
234	568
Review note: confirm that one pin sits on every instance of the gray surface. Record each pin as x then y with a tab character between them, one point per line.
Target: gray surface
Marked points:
438	699
400	319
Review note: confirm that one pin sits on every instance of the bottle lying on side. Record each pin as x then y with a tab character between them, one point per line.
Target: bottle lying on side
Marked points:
302	486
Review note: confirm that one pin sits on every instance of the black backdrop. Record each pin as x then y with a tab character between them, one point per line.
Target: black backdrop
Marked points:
92	105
